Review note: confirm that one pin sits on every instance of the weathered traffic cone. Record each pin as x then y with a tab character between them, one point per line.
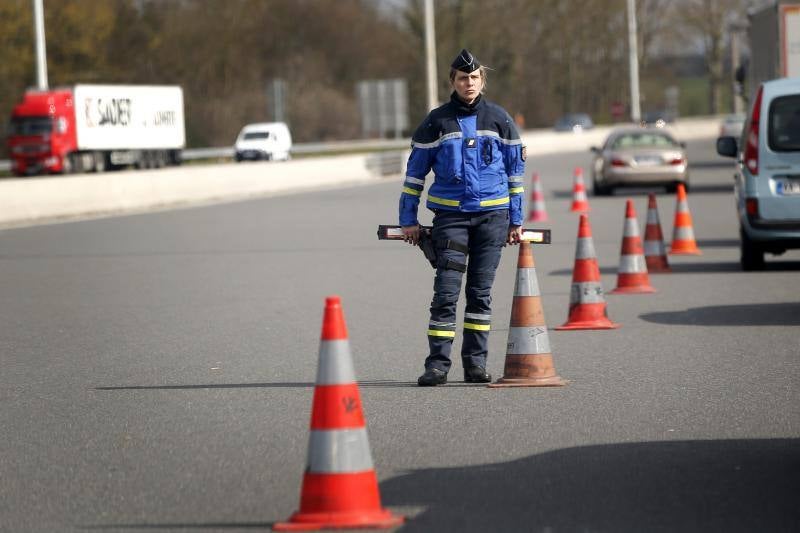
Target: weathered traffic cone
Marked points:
632	274
655	253
538	212
340	489
587	306
580	203
683	242
529	362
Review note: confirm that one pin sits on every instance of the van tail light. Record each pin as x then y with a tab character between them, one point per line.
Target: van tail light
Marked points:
617	162
751	206
751	141
677	161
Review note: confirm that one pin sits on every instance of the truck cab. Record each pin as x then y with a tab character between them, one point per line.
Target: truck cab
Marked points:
42	132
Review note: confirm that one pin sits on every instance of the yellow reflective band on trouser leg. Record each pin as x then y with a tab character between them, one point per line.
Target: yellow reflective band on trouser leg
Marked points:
413	192
517	190
441	333
444	201
497	201
477	327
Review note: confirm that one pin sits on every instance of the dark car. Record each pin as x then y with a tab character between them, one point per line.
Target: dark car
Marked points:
575	122
658	118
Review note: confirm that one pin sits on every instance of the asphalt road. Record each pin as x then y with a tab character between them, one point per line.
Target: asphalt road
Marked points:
157	373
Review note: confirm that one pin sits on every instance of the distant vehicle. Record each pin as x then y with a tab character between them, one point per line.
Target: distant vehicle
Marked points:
637	157
575	122
731	125
767	178
264	141
92	128
658	118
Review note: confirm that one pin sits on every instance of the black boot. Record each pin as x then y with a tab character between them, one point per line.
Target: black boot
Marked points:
476	374
432	377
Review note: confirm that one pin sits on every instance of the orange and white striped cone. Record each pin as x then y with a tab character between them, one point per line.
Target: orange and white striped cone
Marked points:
580	203
683	242
340	488
632	274
538	212
529	362
587	306
655	253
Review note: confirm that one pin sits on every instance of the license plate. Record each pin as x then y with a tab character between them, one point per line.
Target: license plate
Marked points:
648	161
786	187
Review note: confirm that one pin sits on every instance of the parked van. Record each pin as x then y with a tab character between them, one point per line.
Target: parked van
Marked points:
267	141
767	187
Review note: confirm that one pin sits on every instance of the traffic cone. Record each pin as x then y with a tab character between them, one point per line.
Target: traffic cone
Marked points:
655	253
538	212
580	203
529	362
682	232
587	306
340	489
632	274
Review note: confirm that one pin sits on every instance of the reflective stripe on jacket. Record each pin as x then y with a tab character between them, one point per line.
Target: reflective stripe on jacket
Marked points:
475	153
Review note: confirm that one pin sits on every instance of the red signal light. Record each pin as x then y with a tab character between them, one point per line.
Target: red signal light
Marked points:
751	141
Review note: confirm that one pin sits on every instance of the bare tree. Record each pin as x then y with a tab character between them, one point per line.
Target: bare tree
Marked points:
709	19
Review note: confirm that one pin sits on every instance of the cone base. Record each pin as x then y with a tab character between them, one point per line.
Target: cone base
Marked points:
633	290
553	381
658	269
537	218
588	324
380	519
579	209
685	252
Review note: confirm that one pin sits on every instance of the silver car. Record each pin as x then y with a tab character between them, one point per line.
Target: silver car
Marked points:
639	157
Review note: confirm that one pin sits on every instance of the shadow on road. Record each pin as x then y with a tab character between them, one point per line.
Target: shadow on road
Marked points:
771	314
223	526
717	243
716	485
683	268
698	268
278	385
208	386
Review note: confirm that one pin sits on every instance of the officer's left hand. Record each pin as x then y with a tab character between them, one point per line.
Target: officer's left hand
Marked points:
514	235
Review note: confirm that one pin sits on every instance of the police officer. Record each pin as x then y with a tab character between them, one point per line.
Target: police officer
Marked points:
477	159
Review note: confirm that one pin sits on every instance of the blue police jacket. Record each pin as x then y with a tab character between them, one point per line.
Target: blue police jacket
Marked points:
477	159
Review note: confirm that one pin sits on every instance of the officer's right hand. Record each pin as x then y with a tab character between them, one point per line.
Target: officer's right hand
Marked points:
411	234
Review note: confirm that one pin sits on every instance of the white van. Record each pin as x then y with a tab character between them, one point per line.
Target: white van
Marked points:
266	140
767	187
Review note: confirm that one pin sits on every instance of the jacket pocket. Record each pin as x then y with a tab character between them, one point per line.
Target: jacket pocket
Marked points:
489	155
449	163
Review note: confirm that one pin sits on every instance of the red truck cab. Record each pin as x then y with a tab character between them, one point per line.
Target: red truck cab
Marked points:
42	132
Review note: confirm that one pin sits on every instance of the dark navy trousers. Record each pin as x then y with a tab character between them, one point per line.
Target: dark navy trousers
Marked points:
484	234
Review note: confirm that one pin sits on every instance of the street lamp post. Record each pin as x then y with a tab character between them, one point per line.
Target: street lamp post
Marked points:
430	55
41	54
633	61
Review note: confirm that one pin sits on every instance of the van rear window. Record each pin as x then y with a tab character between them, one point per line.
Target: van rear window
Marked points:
256	135
784	124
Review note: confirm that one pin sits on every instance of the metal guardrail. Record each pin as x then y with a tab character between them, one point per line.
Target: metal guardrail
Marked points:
194	154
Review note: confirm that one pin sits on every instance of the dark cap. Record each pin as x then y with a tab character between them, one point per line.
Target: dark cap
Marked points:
465	62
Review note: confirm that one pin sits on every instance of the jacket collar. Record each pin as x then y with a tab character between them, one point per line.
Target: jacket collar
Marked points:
466	109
